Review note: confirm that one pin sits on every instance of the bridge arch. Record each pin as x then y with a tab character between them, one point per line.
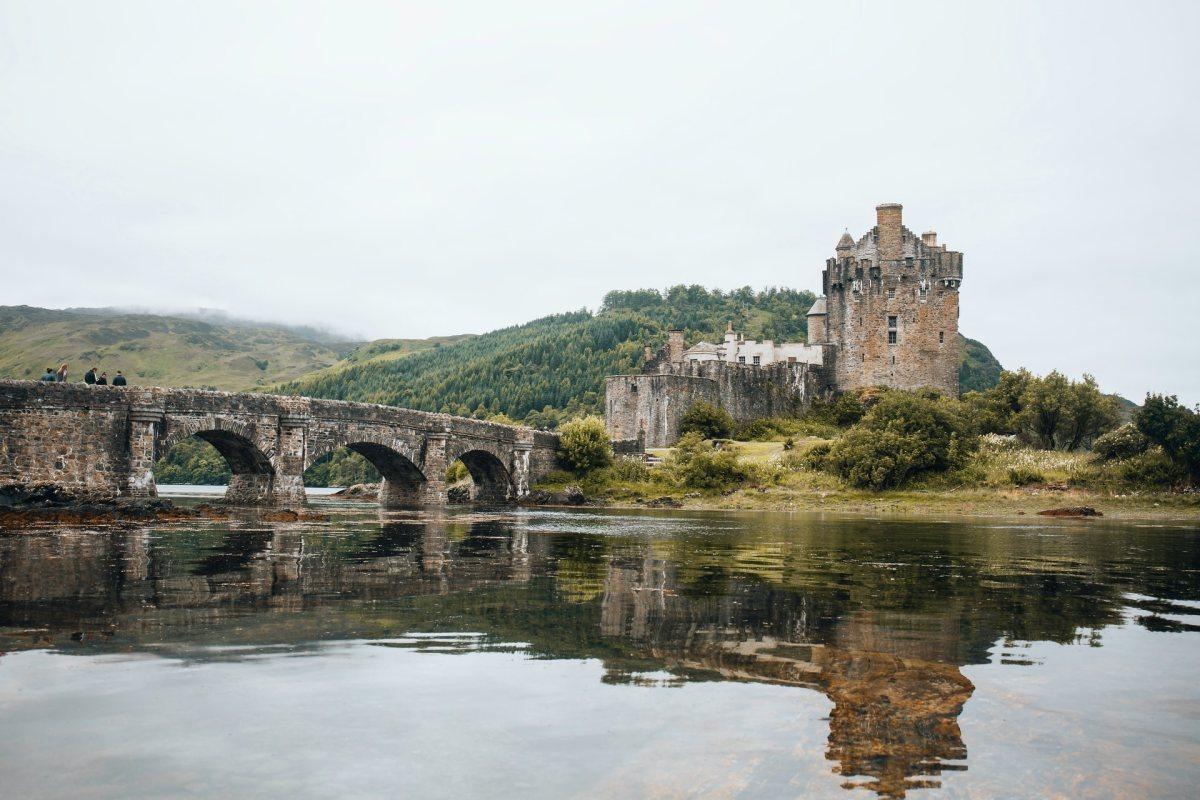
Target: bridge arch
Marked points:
253	473
489	466
395	460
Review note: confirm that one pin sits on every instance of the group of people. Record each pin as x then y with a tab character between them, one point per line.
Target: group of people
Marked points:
91	377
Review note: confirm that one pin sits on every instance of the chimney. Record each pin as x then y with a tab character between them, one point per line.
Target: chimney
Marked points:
675	346
929	238
891	238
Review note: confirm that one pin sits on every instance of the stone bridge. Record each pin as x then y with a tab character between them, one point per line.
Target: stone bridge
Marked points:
101	442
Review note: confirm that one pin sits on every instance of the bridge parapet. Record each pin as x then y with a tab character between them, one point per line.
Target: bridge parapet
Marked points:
103	441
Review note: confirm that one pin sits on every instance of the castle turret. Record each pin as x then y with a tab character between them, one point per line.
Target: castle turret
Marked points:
816	322
730	350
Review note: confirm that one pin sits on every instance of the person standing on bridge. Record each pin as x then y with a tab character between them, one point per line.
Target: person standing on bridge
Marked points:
61	375
102	380
118	379
49	376
89	377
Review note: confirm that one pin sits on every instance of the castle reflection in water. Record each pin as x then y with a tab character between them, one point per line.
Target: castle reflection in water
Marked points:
881	627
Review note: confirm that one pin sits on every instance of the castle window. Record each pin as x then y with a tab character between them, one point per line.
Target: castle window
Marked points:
941	337
908	261
892	324
757	360
891	294
741	359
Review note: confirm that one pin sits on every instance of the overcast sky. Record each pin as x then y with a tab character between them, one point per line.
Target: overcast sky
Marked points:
411	169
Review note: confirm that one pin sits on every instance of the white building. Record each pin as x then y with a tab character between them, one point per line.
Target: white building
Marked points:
736	350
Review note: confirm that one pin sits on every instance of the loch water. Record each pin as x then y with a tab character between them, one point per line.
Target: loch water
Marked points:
601	654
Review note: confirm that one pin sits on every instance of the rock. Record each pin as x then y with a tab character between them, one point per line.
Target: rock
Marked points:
664	502
49	504
567	496
459	493
359	491
1071	511
293	515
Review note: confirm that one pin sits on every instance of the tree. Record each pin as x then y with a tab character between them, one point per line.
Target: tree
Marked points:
707	420
1044	408
998	409
1174	428
585	445
1088	414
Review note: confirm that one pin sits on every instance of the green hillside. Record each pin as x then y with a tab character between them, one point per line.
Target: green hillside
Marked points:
159	350
209	351
555	366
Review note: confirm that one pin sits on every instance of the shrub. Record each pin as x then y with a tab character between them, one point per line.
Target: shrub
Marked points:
1174	428
698	466
902	436
1022	476
843	411
629	470
1153	469
767	429
815	457
585	445
756	430
456	472
707	420
1123	442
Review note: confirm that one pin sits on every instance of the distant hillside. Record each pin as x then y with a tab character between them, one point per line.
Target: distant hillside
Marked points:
536	371
978	369
215	352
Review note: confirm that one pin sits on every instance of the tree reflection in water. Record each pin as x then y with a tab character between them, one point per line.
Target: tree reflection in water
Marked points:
880	624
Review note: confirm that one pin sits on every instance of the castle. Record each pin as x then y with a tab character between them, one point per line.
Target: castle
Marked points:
888	317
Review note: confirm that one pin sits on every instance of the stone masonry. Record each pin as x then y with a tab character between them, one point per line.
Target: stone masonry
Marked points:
101	442
892	309
888	317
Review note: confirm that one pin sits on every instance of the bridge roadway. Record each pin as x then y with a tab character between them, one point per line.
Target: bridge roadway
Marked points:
101	442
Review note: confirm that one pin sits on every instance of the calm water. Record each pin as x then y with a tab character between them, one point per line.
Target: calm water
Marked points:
601	655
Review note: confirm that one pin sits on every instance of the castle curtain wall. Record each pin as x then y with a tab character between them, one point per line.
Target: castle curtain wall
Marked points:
650	407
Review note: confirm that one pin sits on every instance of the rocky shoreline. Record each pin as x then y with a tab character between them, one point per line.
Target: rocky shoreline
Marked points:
25	505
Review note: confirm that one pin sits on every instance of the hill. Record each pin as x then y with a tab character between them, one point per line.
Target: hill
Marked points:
555	366
202	350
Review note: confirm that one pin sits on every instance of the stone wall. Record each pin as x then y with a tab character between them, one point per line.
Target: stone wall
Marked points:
103	441
651	406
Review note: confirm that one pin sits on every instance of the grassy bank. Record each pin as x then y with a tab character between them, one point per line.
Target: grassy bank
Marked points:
1001	479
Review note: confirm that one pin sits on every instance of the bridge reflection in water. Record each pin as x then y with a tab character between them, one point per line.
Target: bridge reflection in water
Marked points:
880	628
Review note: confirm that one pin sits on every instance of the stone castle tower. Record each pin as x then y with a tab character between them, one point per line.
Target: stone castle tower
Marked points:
890	311
888	317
